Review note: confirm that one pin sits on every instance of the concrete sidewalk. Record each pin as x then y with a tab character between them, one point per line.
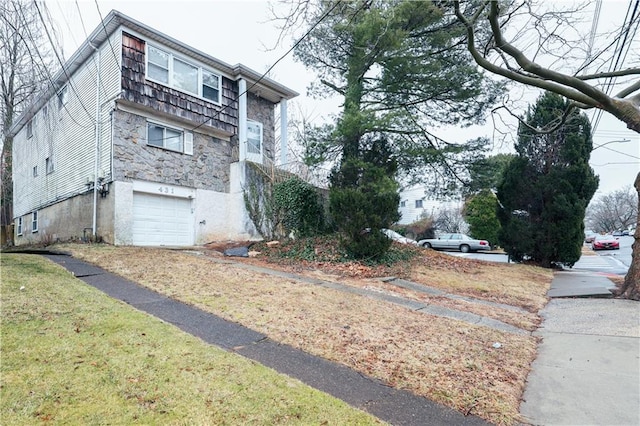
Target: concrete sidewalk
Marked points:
586	372
588	367
395	406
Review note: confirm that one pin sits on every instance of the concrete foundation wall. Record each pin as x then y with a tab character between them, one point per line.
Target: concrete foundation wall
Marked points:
68	220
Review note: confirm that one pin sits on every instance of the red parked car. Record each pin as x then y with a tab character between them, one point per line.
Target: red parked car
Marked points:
605	242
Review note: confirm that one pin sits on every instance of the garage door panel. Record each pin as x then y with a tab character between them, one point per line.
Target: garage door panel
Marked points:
161	220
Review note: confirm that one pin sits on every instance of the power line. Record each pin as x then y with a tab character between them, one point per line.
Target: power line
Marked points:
33	43
55	51
616	151
106	33
624	33
306	34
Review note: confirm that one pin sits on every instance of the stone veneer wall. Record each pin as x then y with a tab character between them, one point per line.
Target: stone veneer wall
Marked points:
262	110
207	168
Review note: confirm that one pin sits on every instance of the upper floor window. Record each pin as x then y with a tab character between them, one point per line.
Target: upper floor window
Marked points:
19	226
158	65
169	138
35	171
210	86
165	68
63	97
30	127
34	221
403	204
49	165
418	204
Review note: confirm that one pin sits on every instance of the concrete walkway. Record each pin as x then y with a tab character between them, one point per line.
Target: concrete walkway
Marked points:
586	372
391	405
588	367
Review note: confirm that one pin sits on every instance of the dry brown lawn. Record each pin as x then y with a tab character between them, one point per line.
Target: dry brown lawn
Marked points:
448	361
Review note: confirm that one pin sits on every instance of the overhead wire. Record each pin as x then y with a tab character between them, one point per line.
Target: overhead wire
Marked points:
33	43
304	36
106	33
620	45
62	64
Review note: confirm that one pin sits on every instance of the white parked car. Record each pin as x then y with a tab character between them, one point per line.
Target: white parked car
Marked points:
461	242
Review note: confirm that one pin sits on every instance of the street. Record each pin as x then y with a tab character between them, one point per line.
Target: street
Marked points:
607	261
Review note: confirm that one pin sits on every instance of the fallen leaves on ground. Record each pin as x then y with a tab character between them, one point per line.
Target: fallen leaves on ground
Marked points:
448	361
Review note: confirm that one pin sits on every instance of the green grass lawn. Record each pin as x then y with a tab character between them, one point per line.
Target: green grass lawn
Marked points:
72	355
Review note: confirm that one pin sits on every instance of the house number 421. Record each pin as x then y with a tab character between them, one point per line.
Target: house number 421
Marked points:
165	190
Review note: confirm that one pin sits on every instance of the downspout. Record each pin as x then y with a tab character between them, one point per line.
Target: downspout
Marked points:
97	148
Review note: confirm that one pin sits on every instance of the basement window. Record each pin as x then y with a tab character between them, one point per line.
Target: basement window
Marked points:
34	221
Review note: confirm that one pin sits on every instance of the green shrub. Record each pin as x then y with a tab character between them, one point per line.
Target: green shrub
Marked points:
363	200
299	205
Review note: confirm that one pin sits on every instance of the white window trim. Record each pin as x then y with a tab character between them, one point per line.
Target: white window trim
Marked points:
19	226
187	137
261	137
189	62
34	221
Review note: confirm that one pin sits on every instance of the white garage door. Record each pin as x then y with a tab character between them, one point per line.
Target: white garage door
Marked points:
161	221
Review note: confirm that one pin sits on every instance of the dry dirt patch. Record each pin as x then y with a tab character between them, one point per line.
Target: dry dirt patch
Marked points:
449	361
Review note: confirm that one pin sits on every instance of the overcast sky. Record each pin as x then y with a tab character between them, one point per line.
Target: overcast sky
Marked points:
241	32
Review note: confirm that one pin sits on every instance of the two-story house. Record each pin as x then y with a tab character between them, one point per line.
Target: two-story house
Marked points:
143	140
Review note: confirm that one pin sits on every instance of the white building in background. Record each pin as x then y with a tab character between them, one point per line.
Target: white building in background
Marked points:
415	204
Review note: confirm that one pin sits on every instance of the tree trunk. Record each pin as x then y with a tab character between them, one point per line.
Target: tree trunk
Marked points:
631	287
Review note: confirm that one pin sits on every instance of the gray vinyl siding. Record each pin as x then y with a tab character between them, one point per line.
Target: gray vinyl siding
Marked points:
67	136
111	59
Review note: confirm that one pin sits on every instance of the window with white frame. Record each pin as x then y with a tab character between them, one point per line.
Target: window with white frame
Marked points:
35	171
418	204
170	138
48	163
165	68
34	221
158	65
185	76
403	204
30	127
211	86
63	97
19	226
254	137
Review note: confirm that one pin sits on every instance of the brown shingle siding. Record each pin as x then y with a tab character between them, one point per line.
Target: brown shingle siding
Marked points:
138	89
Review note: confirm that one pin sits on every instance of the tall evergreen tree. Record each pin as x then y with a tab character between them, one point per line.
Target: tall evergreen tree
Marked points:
545	190
480	212
401	67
